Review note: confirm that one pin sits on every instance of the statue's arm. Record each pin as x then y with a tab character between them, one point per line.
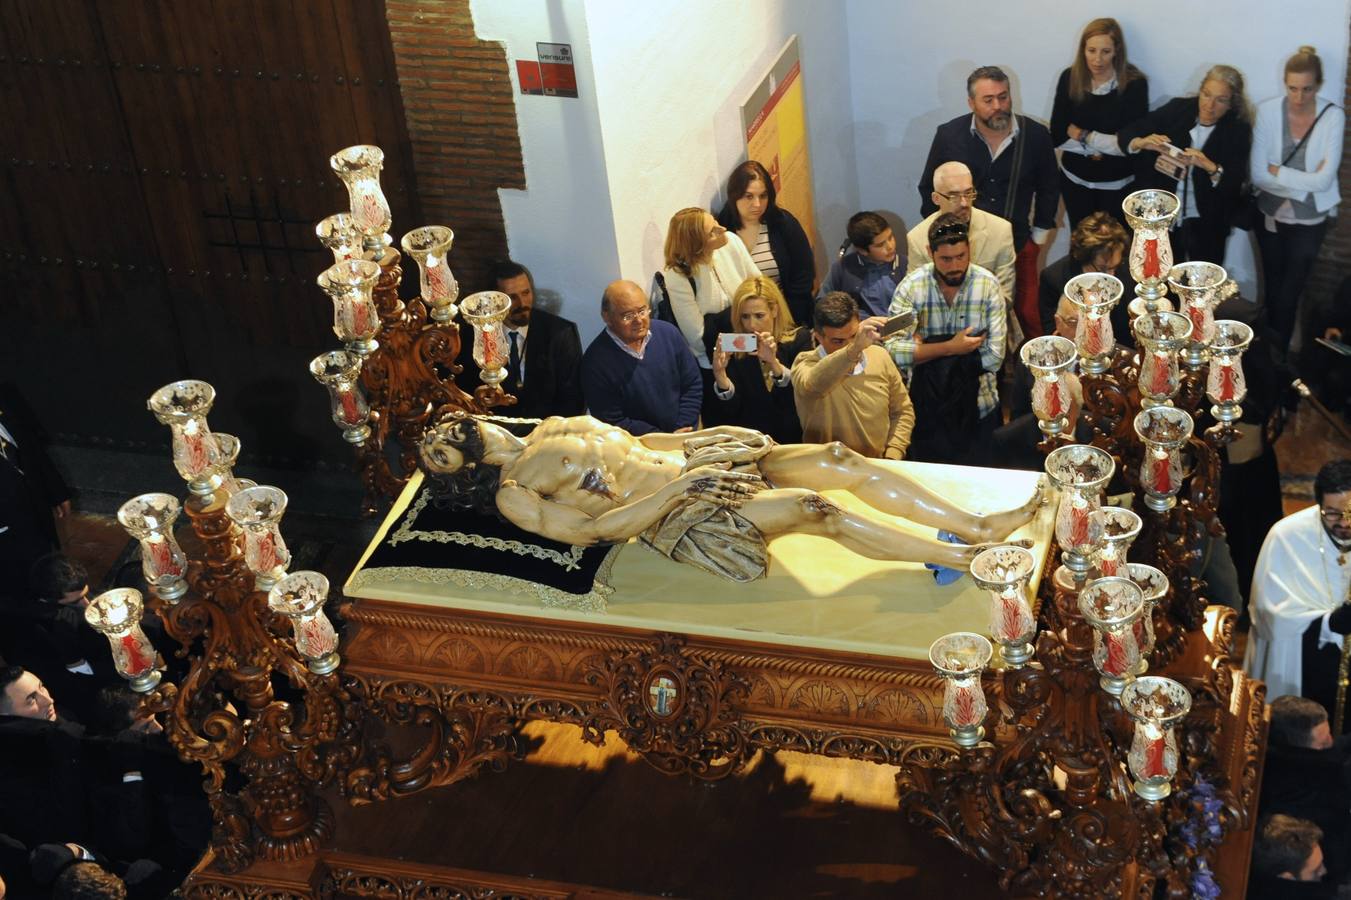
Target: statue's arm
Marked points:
528	510
660	440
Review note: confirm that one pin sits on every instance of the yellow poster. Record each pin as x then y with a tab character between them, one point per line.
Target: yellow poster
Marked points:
775	119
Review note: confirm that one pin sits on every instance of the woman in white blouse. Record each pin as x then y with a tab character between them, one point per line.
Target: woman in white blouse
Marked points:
703	271
1297	150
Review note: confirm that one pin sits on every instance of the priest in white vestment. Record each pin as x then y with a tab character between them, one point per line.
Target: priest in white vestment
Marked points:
1300	592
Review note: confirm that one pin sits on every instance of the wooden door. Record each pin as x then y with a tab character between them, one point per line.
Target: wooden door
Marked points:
161	170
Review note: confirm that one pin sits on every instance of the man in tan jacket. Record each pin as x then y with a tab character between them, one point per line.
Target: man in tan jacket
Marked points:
848	389
990	237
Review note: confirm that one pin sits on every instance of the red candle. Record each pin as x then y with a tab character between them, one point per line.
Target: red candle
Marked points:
1053	405
1152	258
350	414
963	707
1010	619
266	555
1078	525
137	662
1154	756
198	459
1158	382
1163	476
360	317
1116	655
1226	391
162	559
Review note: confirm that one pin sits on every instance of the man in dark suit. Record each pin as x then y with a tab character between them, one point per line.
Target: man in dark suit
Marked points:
32	496
1013	170
545	361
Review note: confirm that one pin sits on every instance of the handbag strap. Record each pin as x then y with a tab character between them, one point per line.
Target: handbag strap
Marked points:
1304	140
1018	145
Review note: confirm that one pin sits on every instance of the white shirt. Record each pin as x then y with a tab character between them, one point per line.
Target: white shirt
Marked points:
636	354
1199	135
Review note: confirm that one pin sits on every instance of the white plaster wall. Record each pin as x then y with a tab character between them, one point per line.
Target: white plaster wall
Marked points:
909	63
561	225
671	78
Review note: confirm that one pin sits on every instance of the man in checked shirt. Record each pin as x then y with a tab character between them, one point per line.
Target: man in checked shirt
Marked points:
952	353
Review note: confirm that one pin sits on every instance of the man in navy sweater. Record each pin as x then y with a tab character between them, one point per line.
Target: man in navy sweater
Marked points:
637	373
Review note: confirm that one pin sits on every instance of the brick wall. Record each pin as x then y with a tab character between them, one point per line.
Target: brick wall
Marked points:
1334	260
461	112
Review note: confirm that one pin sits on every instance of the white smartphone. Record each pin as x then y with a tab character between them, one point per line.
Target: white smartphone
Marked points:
737	342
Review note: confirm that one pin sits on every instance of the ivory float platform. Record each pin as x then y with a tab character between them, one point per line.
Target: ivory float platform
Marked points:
827	654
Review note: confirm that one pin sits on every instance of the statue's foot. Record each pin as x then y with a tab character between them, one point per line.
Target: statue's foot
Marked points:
997	526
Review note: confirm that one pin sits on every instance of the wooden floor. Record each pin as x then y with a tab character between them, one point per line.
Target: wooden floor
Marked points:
791	826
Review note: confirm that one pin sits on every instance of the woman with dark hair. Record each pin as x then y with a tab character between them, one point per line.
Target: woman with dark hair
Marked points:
753	388
1197	148
1098	94
1297	151
772	234
1098	244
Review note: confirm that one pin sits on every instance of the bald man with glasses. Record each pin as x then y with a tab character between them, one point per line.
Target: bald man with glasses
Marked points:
990	237
639	372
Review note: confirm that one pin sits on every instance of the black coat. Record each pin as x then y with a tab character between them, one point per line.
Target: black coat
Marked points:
1228	146
1038	178
553	368
793	253
752	404
30	486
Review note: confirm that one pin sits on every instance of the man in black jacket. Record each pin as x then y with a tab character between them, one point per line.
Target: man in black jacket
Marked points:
545	357
1307	775
32	495
1012	163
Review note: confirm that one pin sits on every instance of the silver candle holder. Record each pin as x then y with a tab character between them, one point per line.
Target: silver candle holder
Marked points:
959	658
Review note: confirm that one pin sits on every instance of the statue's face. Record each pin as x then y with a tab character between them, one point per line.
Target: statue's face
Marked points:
443	447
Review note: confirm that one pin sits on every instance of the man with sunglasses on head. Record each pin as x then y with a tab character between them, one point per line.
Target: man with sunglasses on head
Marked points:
952	349
1301	590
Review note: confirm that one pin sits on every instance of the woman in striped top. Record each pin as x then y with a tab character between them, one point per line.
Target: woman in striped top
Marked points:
771	234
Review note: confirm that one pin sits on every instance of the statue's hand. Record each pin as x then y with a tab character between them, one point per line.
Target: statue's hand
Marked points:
721	487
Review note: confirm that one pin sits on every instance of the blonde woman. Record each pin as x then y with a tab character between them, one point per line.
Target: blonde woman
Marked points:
753	388
1297	151
703	271
1197	147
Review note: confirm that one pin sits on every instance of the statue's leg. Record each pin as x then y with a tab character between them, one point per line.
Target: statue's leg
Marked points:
799	511
833	466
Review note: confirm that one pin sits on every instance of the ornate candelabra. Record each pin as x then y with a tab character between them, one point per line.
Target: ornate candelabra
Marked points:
225	715
1047	799
385	391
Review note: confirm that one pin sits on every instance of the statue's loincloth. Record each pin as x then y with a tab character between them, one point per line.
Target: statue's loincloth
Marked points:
705	534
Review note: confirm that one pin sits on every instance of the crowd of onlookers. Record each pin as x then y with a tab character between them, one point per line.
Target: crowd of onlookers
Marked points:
905	348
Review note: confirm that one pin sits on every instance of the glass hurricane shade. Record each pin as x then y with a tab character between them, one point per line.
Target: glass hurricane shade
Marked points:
359	168
149	519
1111	606
1117	529
485	311
429	247
116	615
1005	572
1163	430
258	511
1150	214
1153	586
340	374
1226	385
1160	334
300	596
1197	286
184	406
1049	359
1080	472
959	658
1094	294
349	285
1156	704
338	233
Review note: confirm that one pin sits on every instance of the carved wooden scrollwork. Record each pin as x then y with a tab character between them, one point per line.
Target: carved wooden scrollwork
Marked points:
463	735
680	712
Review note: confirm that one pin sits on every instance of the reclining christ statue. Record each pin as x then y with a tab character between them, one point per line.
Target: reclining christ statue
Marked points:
711	498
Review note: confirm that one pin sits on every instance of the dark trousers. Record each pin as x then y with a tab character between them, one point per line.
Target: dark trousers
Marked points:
1197	240
1081	202
1288	254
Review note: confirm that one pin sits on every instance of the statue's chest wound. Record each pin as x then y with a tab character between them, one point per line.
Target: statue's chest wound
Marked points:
596	480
